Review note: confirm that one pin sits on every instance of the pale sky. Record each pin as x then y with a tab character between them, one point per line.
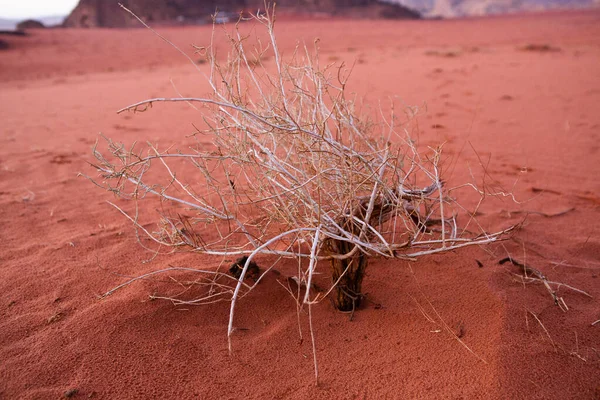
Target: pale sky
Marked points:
20	9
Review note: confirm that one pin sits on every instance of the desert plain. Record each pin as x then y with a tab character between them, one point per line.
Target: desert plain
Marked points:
515	96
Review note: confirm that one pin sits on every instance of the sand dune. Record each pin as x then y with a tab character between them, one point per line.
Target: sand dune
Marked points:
518	93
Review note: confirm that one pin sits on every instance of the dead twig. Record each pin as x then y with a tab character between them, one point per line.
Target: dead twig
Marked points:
533	274
543	214
543	328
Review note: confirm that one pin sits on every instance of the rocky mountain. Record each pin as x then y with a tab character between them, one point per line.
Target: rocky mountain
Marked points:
11	24
30	24
460	8
107	13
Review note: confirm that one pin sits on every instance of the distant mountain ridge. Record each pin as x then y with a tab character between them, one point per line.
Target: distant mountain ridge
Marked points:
104	13
11	24
460	8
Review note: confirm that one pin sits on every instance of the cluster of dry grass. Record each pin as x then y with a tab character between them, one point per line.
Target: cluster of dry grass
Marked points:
294	171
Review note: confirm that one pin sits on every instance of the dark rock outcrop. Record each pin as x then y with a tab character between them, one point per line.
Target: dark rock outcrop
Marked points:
30	24
104	13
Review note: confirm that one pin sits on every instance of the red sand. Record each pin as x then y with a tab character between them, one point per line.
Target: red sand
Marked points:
535	115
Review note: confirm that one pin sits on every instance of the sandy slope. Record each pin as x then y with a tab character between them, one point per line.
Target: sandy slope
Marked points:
532	114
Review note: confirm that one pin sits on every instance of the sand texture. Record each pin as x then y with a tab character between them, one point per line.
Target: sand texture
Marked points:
518	94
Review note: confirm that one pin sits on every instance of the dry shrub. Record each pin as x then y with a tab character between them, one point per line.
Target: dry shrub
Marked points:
294	171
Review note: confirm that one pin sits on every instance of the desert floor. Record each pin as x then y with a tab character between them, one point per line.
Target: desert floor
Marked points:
518	96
